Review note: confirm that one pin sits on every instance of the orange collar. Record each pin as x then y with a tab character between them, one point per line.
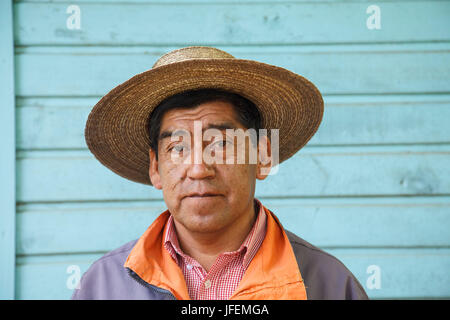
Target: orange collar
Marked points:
272	274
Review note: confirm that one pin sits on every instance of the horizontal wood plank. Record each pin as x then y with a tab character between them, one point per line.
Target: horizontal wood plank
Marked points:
56	123
371	69
64	228
206	23
315	171
405	273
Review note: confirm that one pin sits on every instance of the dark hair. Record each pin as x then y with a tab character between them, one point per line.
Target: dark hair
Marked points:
246	111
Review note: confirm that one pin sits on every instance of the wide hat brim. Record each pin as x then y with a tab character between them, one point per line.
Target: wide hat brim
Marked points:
117	128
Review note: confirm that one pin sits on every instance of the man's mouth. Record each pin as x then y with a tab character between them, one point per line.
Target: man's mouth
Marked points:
203	195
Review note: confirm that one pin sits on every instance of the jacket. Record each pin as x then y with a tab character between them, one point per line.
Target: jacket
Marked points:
285	267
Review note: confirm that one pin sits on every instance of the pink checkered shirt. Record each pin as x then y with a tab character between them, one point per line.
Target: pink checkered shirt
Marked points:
228	269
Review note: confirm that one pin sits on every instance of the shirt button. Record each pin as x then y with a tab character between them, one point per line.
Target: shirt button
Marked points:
208	284
189	266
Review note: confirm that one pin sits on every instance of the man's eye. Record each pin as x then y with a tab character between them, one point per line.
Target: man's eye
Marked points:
221	143
177	148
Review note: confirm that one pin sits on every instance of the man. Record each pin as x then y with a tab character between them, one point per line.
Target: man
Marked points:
190	126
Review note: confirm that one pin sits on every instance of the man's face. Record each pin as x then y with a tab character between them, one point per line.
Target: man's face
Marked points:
203	196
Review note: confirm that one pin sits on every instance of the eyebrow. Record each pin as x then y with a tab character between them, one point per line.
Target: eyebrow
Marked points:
220	126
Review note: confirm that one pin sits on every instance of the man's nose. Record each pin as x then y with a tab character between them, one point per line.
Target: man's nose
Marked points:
200	171
198	168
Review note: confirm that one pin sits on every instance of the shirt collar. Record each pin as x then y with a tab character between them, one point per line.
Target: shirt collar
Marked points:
273	272
250	245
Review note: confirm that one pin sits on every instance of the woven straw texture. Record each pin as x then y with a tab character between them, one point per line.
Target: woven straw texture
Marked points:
116	130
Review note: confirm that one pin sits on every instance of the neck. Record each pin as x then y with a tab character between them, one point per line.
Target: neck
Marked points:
206	247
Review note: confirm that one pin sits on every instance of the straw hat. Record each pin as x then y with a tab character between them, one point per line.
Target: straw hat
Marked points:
117	127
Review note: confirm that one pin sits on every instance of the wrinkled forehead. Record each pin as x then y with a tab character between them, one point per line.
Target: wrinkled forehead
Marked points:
219	115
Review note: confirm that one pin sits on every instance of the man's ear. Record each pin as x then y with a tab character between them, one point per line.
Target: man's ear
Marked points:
264	157
153	171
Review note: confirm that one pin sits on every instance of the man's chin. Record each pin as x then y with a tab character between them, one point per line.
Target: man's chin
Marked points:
203	206
202	228
203	221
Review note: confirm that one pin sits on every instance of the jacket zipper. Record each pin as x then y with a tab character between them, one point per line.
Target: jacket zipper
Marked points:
139	280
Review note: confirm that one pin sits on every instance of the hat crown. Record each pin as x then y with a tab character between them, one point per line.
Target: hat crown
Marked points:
190	53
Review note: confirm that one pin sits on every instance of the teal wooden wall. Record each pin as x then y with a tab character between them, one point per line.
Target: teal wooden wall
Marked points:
372	187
